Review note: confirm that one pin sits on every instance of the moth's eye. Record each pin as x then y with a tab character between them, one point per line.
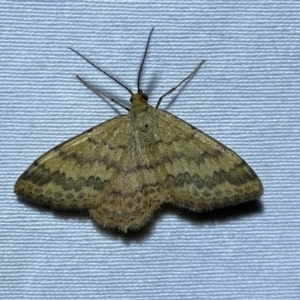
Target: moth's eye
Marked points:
145	97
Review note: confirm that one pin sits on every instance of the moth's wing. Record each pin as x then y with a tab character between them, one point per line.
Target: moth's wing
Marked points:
133	192
200	172
75	173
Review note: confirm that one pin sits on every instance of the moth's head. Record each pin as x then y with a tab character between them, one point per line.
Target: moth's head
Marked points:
139	98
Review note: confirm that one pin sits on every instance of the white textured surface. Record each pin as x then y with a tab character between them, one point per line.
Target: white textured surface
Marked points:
246	95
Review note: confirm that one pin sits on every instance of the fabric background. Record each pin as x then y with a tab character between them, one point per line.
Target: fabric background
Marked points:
246	95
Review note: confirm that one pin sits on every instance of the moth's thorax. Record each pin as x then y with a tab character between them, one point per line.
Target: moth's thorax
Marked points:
138	102
141	114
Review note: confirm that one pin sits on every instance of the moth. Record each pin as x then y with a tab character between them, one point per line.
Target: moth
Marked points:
124	169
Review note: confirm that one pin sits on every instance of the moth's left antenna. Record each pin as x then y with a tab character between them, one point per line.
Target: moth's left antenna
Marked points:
104	72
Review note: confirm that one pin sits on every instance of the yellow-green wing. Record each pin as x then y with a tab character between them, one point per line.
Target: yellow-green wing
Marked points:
75	173
198	172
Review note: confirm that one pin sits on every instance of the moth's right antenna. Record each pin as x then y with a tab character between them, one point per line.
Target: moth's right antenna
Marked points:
143	61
